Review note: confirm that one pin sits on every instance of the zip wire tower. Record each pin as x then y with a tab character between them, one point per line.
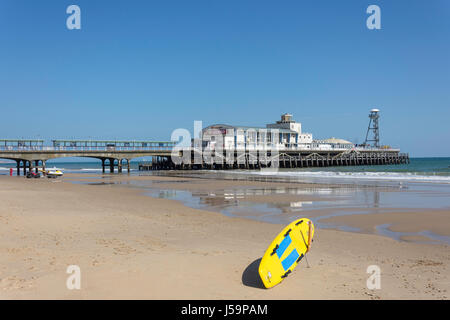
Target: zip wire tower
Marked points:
373	126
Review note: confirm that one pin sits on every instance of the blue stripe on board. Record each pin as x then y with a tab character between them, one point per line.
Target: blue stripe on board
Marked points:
290	259
283	246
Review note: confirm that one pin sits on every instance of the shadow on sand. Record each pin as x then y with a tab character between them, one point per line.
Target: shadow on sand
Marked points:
250	276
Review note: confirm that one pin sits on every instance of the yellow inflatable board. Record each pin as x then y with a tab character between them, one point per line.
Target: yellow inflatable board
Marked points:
286	251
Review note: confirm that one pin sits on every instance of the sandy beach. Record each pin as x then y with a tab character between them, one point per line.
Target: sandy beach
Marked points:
129	245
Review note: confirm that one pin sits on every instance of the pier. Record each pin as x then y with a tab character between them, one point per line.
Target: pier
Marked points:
286	159
115	156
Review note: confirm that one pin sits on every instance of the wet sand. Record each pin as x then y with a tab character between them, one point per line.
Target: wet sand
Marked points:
436	221
129	245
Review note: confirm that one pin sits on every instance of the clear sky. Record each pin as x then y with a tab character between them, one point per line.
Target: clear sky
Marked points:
139	69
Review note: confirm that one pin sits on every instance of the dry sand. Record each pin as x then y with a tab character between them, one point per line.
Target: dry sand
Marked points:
129	245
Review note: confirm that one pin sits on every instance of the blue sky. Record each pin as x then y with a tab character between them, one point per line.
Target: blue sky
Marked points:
139	69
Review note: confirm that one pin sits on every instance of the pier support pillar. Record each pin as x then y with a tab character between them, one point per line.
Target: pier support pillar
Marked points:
18	167
128	165
103	165
24	163
111	165
119	165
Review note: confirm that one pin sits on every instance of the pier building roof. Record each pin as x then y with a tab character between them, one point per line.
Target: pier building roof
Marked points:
245	128
336	141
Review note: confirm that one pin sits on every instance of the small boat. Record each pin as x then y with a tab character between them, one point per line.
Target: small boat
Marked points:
53	173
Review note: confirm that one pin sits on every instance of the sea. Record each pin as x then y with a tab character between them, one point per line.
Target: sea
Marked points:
429	170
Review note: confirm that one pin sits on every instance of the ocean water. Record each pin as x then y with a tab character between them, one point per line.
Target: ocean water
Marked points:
431	170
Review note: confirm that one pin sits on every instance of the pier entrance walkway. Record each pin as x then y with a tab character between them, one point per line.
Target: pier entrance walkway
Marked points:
32	154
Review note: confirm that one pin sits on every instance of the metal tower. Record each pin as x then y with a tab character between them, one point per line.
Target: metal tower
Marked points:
373	126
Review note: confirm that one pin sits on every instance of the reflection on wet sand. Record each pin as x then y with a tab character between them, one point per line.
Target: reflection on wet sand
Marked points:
333	202
342	197
283	204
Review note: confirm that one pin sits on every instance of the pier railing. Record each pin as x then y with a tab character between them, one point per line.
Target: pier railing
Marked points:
84	148
170	147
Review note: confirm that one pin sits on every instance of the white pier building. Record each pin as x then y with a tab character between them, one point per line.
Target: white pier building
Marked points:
285	134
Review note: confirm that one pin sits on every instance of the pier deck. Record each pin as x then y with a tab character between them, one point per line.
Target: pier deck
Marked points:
283	159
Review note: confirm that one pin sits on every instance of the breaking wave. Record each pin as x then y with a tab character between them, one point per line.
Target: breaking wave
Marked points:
389	176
